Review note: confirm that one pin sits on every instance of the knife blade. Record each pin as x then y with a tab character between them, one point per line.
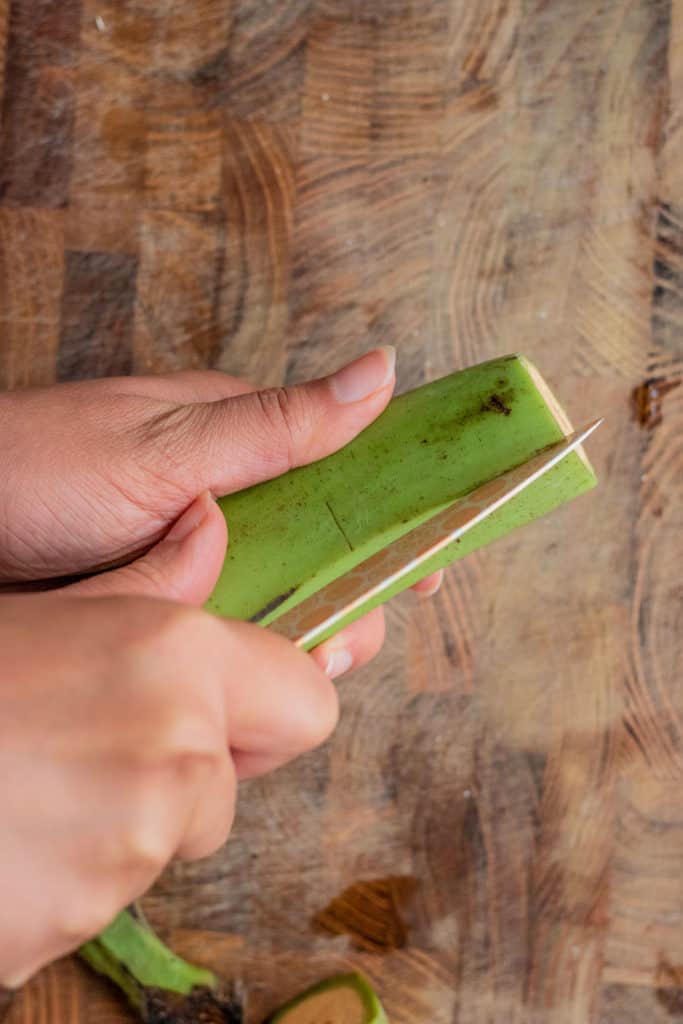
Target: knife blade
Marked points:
310	620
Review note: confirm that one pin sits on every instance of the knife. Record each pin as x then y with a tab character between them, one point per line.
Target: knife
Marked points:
311	619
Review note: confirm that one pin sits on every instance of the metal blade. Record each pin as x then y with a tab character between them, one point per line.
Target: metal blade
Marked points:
369	579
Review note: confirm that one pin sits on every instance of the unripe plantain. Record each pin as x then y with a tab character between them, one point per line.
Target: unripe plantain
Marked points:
293	535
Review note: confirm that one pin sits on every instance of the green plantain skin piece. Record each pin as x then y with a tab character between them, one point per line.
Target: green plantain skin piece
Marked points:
293	535
160	986
344	999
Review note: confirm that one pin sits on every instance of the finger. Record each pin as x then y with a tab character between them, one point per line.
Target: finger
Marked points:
184	566
353	647
277	700
236	443
430	584
185	386
209	825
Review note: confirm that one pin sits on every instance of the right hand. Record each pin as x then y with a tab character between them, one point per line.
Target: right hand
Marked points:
125	723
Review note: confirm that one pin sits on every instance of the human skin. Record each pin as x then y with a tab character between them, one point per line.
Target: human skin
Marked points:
95	472
127	713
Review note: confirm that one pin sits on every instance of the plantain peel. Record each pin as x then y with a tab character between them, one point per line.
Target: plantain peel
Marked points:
344	999
160	986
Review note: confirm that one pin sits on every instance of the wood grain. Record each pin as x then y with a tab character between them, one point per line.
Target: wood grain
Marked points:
97	302
266	59
183	152
4	32
175	322
646	885
259	190
270	188
31	286
39	102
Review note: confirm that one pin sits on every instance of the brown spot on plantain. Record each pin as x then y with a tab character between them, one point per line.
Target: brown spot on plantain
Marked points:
272	605
496	403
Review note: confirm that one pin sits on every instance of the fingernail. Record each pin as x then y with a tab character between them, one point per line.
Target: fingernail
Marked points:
364	376
434	588
191	519
339	661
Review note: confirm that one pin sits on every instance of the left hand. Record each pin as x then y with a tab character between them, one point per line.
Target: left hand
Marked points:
95	472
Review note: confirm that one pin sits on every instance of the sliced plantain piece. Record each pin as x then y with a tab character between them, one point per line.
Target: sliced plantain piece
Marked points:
344	999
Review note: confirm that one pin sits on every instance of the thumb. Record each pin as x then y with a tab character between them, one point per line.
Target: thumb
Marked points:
239	441
184	566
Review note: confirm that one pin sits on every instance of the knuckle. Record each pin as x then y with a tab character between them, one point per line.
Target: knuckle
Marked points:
288	413
136	851
169	432
169	685
196	757
186	741
145	849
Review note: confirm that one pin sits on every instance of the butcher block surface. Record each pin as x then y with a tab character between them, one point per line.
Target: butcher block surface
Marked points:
270	188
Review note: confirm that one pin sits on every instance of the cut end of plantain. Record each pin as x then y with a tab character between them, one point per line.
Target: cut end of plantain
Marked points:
554	407
344	999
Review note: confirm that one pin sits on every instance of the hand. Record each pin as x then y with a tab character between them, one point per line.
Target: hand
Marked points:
95	472
122	750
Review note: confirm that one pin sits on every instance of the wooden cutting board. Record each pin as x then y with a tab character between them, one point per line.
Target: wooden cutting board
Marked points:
414	985
270	189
